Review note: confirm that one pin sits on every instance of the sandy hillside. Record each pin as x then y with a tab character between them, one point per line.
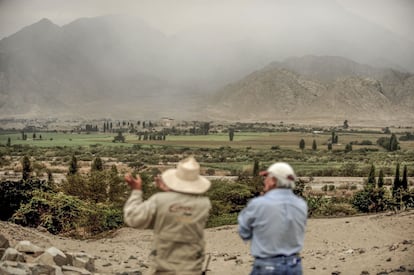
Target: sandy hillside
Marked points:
373	244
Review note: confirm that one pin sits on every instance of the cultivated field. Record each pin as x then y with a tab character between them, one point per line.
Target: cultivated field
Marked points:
214	151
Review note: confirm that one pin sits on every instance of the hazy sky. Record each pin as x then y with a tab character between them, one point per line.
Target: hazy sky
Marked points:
172	16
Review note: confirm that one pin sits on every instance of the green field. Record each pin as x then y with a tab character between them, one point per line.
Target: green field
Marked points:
215	151
51	139
286	140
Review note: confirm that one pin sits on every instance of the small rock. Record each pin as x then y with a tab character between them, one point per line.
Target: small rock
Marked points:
53	256
335	272
12	254
364	272
400	269
41	229
361	251
393	247
230	258
4	243
144	265
349	251
28	248
80	271
389	259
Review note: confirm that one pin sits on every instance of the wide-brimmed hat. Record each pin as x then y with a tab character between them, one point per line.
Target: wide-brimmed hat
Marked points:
186	178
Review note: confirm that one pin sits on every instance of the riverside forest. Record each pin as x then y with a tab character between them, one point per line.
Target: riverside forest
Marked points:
68	178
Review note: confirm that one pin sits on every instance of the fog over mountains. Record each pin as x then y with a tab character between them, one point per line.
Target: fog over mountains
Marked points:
120	67
314	89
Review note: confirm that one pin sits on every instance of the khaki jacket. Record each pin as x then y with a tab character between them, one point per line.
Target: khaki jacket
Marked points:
178	221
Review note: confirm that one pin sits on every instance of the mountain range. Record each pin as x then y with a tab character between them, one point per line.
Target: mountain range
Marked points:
317	89
120	67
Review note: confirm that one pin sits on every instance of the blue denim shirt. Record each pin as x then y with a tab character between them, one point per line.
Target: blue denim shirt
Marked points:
275	223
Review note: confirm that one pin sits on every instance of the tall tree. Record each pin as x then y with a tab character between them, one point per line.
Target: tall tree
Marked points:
205	127
26	168
97	164
314	146
50	179
302	144
330	146
256	168
8	142
394	146
73	166
371	177
333	137
380	179
397	182
96	187
346	126
404	181
117	189
231	134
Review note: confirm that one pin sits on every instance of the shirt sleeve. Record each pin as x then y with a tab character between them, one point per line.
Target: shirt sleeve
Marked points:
245	219
138	213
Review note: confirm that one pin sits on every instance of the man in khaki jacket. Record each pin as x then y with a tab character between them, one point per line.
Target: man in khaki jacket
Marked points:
177	216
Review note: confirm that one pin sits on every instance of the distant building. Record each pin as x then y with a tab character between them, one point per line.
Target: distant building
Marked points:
167	122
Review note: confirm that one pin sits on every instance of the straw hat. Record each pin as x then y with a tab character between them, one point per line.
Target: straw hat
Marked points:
186	178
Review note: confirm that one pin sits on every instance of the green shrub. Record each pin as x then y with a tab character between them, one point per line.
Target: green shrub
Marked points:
227	200
315	204
64	214
58	213
15	193
372	199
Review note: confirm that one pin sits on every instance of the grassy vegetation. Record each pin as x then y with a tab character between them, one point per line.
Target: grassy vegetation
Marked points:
215	150
217	155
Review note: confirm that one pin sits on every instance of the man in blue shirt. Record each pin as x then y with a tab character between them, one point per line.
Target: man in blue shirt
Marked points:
275	223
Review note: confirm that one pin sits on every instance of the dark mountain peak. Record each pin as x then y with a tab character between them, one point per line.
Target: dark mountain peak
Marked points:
39	32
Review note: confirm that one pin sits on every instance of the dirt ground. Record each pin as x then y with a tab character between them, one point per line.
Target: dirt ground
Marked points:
372	244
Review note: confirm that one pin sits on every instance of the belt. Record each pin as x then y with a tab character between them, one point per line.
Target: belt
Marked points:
279	256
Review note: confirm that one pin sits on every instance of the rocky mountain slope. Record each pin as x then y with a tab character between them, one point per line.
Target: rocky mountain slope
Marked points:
313	89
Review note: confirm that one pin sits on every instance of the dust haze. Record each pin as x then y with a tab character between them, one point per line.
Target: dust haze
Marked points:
160	51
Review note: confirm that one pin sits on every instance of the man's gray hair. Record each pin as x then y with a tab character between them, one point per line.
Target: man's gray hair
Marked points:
284	183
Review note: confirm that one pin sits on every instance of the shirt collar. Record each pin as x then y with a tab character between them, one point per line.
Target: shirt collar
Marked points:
279	192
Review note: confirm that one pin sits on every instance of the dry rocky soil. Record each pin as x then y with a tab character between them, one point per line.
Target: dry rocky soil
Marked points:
370	244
